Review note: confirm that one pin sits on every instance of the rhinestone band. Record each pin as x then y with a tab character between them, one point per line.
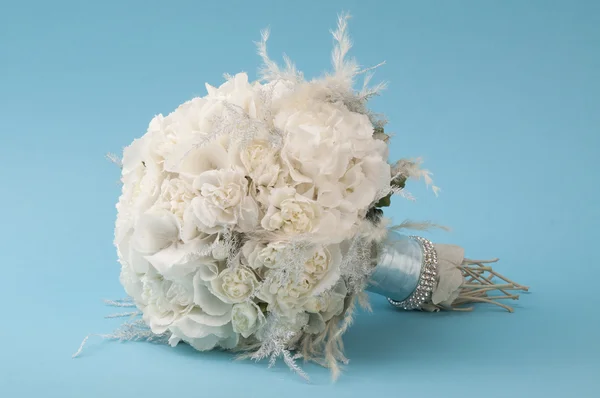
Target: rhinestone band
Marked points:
427	279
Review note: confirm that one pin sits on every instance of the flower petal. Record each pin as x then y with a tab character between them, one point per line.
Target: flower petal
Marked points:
179	260
191	329
209	303
138	262
231	342
206	343
198	316
450	277
155	231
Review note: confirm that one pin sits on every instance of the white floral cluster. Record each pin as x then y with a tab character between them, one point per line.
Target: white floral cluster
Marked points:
243	205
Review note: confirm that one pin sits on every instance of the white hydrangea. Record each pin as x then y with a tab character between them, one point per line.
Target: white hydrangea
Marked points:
332	148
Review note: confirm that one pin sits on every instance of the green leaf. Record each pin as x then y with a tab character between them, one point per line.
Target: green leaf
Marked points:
399	182
379	134
386	201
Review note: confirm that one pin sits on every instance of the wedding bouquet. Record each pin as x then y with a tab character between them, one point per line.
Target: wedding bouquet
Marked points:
251	219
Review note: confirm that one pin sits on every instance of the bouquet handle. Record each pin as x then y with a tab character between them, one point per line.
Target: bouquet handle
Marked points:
415	274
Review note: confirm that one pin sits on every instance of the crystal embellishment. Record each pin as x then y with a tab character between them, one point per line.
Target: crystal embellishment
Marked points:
427	279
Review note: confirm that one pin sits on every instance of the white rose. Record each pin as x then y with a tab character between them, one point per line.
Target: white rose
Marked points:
290	212
223	201
246	318
234	284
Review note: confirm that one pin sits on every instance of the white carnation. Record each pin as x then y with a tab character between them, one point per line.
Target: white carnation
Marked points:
291	213
176	195
223	201
320	273
260	161
258	255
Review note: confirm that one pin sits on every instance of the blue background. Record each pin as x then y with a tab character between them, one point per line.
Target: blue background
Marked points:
501	98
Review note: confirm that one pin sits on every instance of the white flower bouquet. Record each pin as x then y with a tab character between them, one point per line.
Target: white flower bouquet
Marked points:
250	219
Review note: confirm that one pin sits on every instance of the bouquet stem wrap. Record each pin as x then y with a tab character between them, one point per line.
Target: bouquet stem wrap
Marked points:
398	268
457	281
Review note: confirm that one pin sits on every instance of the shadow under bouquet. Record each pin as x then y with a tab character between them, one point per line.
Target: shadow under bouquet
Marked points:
251	220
